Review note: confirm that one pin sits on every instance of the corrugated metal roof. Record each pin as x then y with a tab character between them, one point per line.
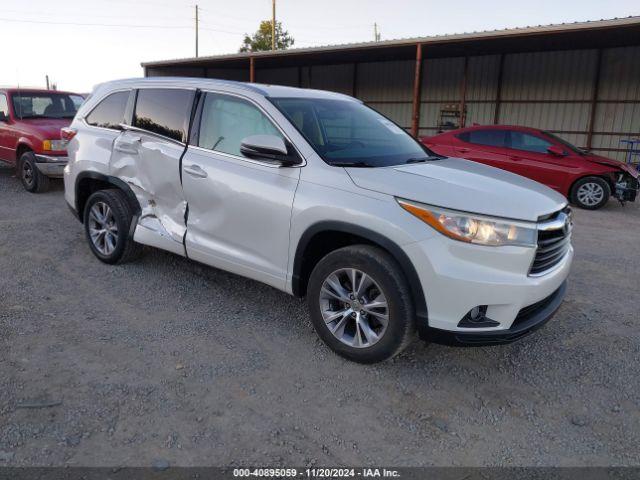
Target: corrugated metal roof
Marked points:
456	37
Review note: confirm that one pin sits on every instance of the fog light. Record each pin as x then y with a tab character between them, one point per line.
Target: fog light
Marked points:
477	318
477	313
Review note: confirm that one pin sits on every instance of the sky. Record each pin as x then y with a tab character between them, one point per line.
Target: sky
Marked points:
80	43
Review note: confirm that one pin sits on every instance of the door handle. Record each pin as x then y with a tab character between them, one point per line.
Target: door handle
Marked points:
515	159
195	171
463	150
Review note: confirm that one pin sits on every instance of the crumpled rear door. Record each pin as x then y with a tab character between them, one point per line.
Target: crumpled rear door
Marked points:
151	167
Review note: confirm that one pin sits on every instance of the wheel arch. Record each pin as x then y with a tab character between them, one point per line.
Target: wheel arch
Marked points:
324	237
22	148
90	182
607	176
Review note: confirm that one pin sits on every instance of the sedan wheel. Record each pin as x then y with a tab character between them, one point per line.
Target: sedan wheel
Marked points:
590	194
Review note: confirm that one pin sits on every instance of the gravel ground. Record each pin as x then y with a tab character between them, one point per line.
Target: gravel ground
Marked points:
166	360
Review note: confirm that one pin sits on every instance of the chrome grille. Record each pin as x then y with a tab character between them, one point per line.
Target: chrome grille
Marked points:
554	241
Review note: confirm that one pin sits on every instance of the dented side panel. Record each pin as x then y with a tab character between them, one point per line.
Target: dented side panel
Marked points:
239	215
150	165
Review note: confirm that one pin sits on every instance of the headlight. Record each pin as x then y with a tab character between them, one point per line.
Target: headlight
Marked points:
54	145
472	228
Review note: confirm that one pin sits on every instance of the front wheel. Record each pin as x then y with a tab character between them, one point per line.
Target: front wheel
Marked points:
32	179
590	193
360	304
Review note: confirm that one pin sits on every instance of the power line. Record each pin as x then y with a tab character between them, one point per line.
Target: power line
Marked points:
221	31
80	24
95	15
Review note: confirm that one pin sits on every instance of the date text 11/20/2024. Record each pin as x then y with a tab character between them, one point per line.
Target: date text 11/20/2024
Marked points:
316	472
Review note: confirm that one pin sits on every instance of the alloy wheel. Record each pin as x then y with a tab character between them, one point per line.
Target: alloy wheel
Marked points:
354	307
103	229
27	172
590	194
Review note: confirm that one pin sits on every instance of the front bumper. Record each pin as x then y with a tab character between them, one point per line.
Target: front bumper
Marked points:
529	319
50	165
627	189
456	277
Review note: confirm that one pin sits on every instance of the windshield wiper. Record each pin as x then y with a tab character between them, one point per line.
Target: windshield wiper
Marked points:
424	159
352	164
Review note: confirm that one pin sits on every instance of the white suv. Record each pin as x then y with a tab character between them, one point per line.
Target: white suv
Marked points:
316	194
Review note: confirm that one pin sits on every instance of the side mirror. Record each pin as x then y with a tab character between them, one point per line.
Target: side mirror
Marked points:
267	147
556	151
4	117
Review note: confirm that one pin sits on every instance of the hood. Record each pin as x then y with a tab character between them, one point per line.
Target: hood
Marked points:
463	185
45	128
612	163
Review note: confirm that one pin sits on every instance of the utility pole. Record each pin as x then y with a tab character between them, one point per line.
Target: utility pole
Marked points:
273	26
196	30
47	76
376	34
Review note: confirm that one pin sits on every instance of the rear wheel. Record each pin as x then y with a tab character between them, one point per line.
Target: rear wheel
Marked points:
32	179
107	222
360	304
590	193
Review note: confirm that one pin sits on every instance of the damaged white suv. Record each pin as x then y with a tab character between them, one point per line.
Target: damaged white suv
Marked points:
316	194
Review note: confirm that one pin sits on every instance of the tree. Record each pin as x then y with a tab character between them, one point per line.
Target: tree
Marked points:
261	40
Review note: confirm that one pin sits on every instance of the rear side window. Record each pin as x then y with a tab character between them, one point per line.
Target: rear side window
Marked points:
490	138
528	142
227	120
109	113
164	111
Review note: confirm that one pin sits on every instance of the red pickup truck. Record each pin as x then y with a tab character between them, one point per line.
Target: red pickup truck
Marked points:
30	123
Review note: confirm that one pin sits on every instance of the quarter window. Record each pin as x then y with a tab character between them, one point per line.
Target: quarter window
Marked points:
164	111
227	120
490	138
529	143
109	113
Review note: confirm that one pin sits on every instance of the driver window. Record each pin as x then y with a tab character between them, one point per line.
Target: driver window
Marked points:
227	120
528	143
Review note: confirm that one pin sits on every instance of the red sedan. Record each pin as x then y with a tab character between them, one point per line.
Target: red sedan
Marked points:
587	180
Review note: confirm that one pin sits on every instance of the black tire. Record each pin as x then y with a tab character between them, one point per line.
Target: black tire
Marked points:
599	184
32	179
385	271
125	248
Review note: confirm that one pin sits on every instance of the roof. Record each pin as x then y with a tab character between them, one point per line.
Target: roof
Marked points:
611	32
275	91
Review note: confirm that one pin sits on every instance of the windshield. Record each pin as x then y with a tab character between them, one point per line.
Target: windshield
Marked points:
45	105
570	146
347	133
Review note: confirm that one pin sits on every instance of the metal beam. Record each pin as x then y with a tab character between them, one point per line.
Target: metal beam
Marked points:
594	99
552	101
463	93
496	113
354	81
417	84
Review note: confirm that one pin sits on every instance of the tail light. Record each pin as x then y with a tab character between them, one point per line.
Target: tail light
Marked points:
67	133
